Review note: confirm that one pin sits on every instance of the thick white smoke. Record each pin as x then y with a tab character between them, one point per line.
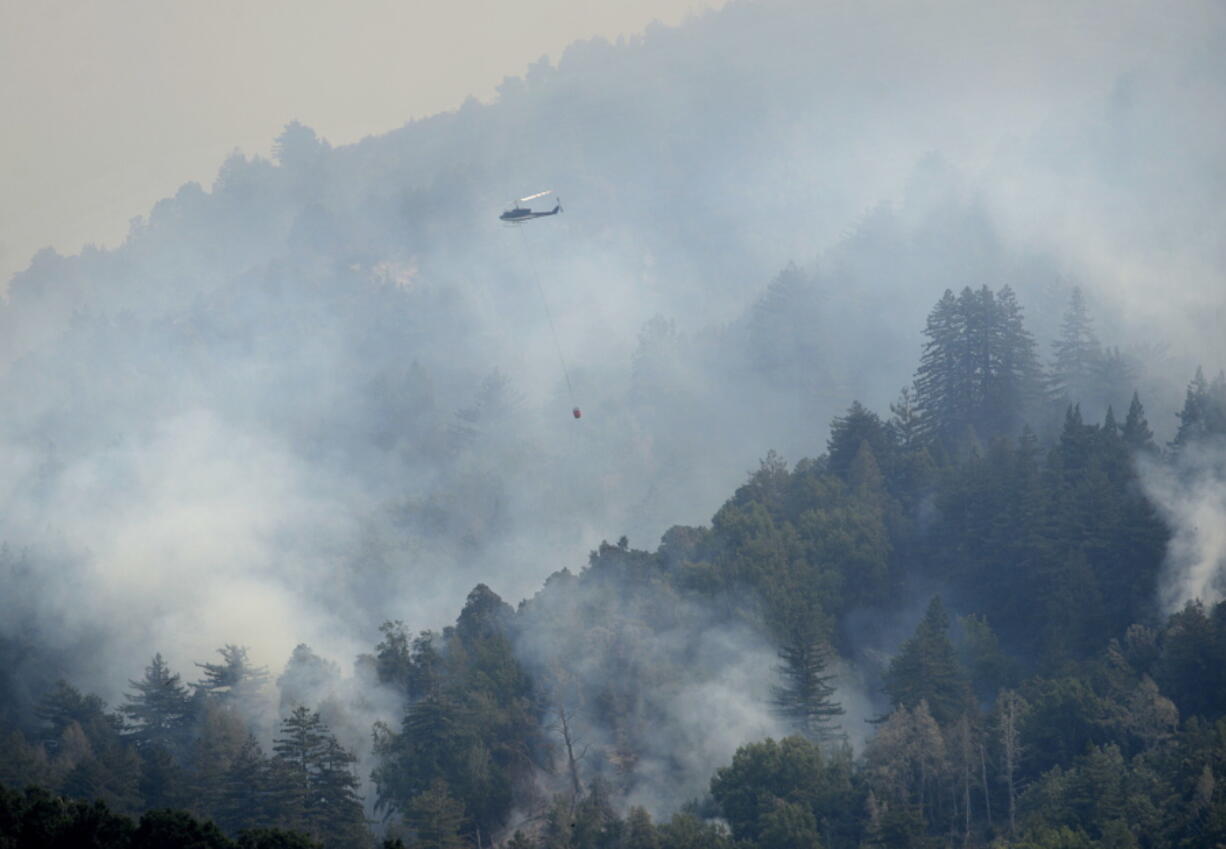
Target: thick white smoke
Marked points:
274	415
1191	493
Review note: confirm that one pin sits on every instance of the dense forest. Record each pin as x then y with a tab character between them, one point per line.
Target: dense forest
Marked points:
1042	698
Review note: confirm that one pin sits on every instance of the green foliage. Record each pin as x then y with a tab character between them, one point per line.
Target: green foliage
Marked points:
160	709
22	763
177	830
315	790
807	543
1054	553
411	666
1045	837
393	657
767	776
36	818
686	831
980	655
64	705
94	763
163	782
789	826
1065	718
926	669
1203	417
474	726
269	838
1136	433
807	694
639	832
906	764
233	680
436	819
1076	352
1190	664
978	374
243	796
847	433
1113	734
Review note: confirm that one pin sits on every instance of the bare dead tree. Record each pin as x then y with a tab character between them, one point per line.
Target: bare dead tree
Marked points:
1009	708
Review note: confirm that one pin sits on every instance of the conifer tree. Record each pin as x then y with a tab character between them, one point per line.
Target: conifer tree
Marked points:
297	749
848	432
160	710
1110	430
244	798
1204	410
234	679
411	758
937	380
65	704
978	374
1076	352
1136	433
806	697
640	833
337	807
982	352
22	762
221	736
1112	375
101	768
926	669
301	741
783	348
436	819
313	778
163	783
905	420
1017	387
1076	446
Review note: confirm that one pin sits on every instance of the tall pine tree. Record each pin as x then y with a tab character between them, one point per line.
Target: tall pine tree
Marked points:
1136	433
1075	353
1204	411
234	679
159	712
926	669
978	376
806	697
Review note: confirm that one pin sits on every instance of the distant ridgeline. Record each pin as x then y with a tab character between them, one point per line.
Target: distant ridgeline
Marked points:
1043	699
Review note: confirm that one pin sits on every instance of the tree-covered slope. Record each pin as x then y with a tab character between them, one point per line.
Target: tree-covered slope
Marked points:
1044	694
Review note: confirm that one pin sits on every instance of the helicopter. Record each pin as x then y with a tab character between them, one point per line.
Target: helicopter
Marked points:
518	213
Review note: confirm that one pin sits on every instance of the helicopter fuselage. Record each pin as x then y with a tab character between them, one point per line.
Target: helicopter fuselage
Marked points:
520	213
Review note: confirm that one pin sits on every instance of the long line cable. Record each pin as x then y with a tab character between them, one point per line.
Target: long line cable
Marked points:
553	330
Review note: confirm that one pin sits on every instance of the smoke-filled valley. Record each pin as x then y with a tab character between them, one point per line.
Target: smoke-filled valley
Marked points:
895	334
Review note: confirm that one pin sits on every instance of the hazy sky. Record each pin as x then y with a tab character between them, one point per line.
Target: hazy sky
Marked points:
109	106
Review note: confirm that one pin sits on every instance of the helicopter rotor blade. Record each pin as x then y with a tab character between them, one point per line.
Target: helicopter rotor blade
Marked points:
535	196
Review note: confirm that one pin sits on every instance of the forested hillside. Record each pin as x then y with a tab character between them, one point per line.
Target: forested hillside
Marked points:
336	367
1042	697
893	517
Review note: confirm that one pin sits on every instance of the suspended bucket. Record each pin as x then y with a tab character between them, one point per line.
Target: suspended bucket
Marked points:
577	413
